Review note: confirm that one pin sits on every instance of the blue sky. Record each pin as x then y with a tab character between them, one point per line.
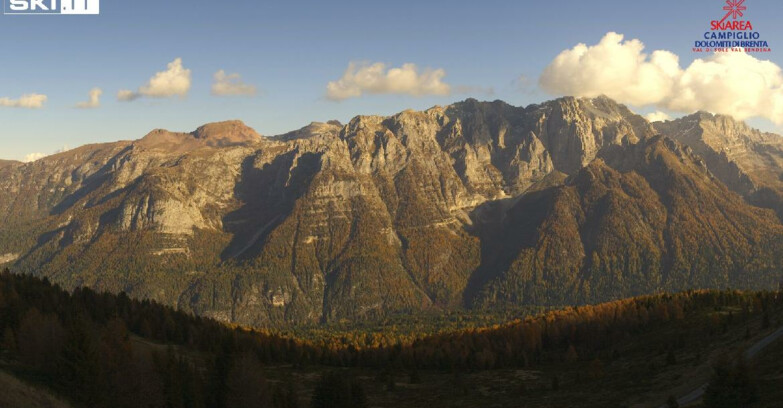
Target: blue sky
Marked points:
291	50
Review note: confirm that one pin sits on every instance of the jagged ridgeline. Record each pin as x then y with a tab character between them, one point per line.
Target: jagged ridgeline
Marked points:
477	204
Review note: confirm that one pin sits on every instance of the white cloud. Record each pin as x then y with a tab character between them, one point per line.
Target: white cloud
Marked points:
125	95
231	85
94	100
657	116
174	81
33	157
375	78
65	148
614	68
28	101
735	83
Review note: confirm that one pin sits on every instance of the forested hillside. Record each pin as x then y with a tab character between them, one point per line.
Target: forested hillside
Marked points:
100	349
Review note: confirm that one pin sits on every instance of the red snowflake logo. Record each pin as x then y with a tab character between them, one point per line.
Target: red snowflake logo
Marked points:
734	9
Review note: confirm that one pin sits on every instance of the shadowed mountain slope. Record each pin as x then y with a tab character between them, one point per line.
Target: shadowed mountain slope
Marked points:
477	204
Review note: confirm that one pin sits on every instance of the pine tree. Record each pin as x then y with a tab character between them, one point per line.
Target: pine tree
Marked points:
79	365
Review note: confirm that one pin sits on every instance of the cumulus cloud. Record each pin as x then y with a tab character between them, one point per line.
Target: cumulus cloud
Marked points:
230	85
28	101
361	78
33	157
614	68
174	81
94	100
125	95
657	116
735	83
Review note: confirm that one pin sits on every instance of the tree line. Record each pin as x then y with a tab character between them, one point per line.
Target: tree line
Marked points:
101	349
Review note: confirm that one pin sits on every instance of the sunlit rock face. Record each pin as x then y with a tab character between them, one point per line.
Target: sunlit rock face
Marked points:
475	204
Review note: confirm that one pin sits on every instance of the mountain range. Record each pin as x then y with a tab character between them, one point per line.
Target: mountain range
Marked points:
476	205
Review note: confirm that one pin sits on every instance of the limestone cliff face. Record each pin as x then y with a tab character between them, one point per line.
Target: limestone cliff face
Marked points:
640	219
476	203
748	161
502	150
574	131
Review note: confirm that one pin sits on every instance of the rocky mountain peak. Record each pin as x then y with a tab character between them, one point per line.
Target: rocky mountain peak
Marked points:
711	126
493	111
162	139
363	122
601	107
217	134
720	134
314	129
571	200
746	160
227	133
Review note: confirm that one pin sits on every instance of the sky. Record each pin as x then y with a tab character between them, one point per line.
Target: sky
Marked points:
139	65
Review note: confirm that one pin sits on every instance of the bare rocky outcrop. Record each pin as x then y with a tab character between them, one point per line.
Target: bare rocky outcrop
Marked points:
6	258
219	134
471	204
748	161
